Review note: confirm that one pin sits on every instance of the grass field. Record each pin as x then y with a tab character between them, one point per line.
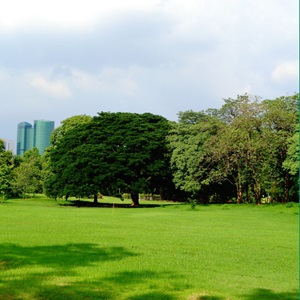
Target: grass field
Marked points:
52	251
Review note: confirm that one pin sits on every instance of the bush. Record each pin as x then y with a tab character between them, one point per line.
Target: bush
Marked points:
192	203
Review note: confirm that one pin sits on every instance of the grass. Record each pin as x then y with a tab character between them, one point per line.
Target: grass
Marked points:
49	250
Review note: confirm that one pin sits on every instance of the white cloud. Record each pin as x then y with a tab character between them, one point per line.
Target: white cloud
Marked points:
286	71
57	89
115	81
161	56
65	13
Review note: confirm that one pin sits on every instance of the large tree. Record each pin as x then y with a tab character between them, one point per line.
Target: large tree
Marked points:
281	116
111	154
66	125
52	186
245	143
186	140
252	145
291	162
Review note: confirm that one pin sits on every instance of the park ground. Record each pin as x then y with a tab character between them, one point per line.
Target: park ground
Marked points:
161	250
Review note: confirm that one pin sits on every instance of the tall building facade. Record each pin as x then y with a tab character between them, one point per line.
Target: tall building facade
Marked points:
24	138
34	136
42	133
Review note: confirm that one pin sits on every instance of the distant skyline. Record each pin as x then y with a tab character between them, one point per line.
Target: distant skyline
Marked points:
36	135
64	58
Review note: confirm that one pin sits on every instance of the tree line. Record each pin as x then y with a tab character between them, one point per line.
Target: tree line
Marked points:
246	151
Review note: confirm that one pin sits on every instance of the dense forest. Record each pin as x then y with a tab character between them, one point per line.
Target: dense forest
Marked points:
246	151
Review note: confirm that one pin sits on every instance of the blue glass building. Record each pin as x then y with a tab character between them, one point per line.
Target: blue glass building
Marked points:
24	138
42	133
37	136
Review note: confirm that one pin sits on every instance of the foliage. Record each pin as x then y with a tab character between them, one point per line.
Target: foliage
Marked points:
28	176
186	141
247	149
291	162
112	154
66	125
6	166
247	142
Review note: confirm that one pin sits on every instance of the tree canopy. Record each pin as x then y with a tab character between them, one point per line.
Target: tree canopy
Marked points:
247	142
112	154
28	175
243	151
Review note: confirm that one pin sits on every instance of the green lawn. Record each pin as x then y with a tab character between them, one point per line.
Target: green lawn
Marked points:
51	251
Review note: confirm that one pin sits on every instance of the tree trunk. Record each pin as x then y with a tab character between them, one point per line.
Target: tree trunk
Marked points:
257	195
239	193
258	192
95	198
286	187
135	199
238	184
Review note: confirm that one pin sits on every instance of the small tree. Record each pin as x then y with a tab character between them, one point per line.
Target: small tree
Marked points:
28	175
6	165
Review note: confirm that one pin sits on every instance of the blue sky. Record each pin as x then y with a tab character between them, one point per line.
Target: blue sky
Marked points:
62	58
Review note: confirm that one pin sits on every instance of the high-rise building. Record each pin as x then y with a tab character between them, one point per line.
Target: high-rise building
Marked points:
37	136
42	133
24	138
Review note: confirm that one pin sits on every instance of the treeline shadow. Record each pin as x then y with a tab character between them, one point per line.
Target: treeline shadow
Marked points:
266	294
82	203
51	273
45	264
174	283
59	277
38	286
60	257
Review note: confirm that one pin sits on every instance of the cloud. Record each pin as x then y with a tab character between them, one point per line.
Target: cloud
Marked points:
57	89
159	56
15	14
108	80
286	71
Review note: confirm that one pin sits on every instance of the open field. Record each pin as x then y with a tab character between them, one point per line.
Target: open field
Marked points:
50	251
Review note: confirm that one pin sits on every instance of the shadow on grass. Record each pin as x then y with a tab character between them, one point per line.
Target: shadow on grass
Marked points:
82	203
265	294
162	285
48	272
129	277
63	283
59	279
48	286
205	297
150	284
152	296
60	257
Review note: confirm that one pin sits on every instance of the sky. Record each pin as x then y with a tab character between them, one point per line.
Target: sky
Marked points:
60	58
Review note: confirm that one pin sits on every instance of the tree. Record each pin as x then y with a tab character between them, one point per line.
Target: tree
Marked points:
112	154
66	125
28	176
281	115
186	141
191	117
6	166
248	148
51	184
291	162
